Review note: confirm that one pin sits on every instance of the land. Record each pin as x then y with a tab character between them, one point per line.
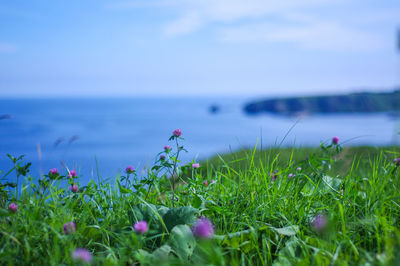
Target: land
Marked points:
329	205
363	102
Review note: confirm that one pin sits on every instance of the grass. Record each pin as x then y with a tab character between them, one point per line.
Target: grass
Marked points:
257	220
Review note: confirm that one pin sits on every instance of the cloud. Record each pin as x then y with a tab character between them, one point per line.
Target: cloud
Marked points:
348	26
185	24
6	48
316	36
195	14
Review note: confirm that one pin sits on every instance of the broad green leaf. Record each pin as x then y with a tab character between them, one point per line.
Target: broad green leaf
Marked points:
182	241
162	253
182	215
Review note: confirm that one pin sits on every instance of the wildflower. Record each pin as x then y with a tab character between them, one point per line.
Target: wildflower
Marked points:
177	132
298	169
130	169
53	171
205	183
73	188
82	254
72	173
69	228
212	181
335	140
162	157
167	148
319	223
341	191
396	161
141	227
196	165
13	207
203	228
274	175
290	175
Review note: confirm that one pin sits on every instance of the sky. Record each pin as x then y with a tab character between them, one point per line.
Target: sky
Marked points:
159	48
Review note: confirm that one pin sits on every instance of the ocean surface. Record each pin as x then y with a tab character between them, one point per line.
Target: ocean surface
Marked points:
122	132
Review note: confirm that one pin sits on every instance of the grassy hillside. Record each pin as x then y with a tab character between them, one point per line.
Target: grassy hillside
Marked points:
292	206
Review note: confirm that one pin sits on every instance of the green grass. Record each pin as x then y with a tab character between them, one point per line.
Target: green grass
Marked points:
257	221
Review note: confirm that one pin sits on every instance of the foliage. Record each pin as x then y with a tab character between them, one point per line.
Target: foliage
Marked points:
258	220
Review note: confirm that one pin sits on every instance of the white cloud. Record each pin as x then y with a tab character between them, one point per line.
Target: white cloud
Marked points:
197	13
290	21
7	48
319	35
185	24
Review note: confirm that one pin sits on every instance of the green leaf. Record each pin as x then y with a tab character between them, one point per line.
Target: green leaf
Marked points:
287	231
182	215
162	252
123	189
182	241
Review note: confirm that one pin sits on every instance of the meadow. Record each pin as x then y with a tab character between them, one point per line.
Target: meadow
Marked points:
331	205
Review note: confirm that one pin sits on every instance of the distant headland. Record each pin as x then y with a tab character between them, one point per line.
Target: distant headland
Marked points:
361	102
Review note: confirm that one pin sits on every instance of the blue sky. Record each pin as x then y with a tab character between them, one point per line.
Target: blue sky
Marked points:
197	47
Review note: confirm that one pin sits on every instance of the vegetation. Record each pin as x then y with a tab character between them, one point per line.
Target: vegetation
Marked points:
291	206
364	102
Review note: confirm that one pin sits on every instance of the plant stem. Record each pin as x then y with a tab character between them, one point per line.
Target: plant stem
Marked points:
174	172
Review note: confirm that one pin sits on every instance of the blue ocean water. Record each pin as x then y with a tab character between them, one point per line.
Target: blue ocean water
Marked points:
121	132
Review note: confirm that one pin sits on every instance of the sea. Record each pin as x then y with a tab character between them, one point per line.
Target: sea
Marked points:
101	137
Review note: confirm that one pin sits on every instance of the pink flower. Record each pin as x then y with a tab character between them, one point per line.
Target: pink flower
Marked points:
162	157
167	148
81	254
290	175
13	207
196	165
53	171
72	173
141	227
274	175
69	228
73	188
320	222
177	132
335	140
203	228
130	169
205	183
